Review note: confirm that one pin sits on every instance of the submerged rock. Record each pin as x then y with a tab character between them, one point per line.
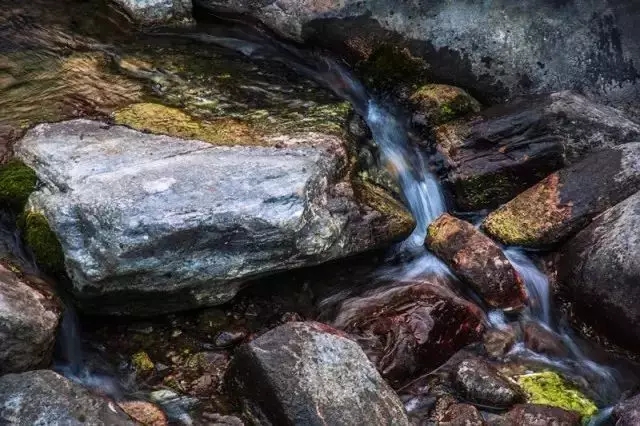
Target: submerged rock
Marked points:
599	271
482	384
151	224
567	201
308	373
478	261
28	322
627	413
539	415
44	397
410	328
505	149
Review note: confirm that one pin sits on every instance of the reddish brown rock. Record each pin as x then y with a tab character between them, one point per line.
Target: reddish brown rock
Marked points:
462	415
543	341
145	413
498	342
409	329
539	415
478	261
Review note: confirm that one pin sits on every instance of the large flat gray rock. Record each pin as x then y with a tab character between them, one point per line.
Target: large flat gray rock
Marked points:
151	224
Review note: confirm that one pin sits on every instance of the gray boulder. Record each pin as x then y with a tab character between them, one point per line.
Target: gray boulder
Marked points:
151	224
45	398
28	322
158	11
482	384
498	49
310	374
627	413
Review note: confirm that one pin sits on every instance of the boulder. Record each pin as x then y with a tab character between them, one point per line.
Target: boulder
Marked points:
543	340
434	104
627	413
149	12
151	224
496	49
566	201
410	328
44	397
539	415
28	322
478	261
309	373
480	383
599	272
493	156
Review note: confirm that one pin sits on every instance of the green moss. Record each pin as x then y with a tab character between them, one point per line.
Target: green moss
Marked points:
17	182
142	363
391	66
43	242
548	388
441	103
485	191
401	223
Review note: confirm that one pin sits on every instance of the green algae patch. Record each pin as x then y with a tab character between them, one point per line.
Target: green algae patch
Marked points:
400	222
17	182
389	66
43	242
142	363
440	103
548	388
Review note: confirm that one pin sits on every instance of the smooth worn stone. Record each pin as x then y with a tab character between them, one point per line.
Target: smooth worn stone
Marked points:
144	413
493	156
158	11
497	49
538	415
29	319
149	224
568	200
230	338
542	340
482	384
478	261
627	413
599	272
309	373
410	328
45	397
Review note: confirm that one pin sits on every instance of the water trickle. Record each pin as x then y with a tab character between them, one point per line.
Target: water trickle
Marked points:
536	282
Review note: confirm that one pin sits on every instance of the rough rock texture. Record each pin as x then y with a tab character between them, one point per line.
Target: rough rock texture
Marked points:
482	384
498	49
543	341
434	104
499	153
627	413
566	201
153	223
28	322
477	260
158	11
44	397
539	415
410	328
308	373
599	272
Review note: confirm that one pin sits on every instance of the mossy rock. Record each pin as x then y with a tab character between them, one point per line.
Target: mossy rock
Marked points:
391	66
17	182
548	388
439	103
43	242
142	363
400	221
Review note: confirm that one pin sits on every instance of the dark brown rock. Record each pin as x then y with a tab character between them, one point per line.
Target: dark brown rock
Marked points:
478	261
462	415
482	384
539	415
411	328
543	341
498	342
627	413
566	201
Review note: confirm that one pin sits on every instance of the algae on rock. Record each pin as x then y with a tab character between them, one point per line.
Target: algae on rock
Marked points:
42	241
435	104
17	182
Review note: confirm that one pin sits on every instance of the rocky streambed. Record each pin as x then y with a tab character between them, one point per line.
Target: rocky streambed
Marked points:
204	223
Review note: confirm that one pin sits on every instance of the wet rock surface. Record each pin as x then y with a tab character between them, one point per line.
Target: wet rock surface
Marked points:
543	341
158	11
28	322
599	272
308	373
44	397
478	261
627	413
568	200
482	384
538	415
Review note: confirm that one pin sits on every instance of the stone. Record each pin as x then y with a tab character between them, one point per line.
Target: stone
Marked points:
568	200
309	373
598	273
45	397
17	182
29	319
149	12
151	224
478	261
496	50
497	342
482	384
434	104
410	328
462	415
542	340
539	415
627	413
144	413
493	156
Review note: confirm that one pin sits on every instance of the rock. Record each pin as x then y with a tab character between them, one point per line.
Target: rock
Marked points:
176	407
144	412
220	420
184	223
462	415
229	338
434	104
410	328
142	363
539	415
567	200
44	397
158	11
493	156
543	341
478	261
308	373
627	413
548	388
17	182
498	342
598	272
28	322
482	384
497	50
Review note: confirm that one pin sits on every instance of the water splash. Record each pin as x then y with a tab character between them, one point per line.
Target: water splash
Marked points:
536	282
